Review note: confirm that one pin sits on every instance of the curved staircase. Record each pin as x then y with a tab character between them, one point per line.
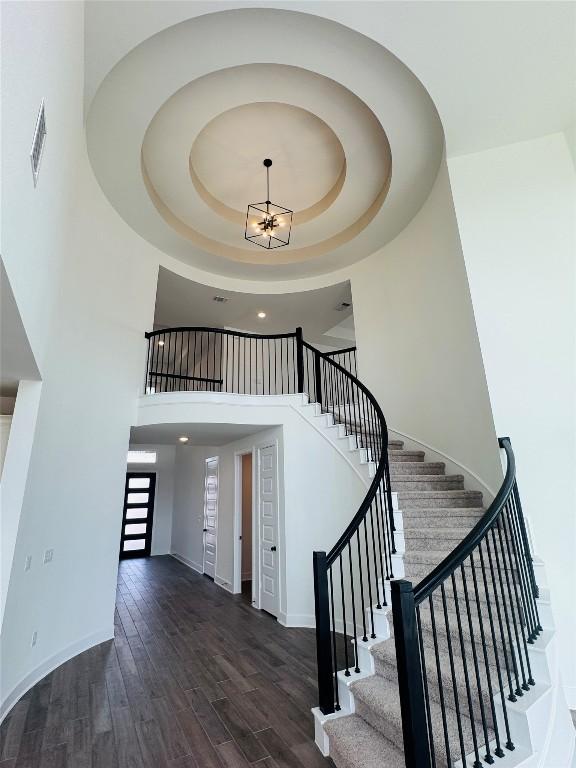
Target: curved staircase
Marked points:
459	670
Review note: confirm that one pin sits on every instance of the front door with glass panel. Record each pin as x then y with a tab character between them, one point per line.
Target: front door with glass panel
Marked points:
136	537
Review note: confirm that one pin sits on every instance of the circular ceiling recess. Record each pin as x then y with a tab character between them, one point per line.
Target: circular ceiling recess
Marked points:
179	128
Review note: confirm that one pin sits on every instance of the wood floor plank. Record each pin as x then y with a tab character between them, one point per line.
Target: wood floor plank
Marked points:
194	678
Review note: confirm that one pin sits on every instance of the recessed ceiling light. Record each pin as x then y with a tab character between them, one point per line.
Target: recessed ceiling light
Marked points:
261	315
160	343
183	439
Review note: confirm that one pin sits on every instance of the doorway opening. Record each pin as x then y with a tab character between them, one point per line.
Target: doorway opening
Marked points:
136	535
246	502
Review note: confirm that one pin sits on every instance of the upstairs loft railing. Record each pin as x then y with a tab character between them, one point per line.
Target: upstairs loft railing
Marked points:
219	360
462	637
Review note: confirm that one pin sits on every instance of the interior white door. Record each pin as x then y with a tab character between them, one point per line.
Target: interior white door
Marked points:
268	528
210	516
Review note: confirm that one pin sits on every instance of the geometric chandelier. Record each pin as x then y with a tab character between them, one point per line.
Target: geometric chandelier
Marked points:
267	224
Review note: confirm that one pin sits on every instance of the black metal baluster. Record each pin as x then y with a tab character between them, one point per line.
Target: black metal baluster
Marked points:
335	691
425	686
344	626
360	571
498	751
477	763
515	605
452	672
527	551
509	744
508	653
440	683
488	757
357	667
369	579
510	602
525	562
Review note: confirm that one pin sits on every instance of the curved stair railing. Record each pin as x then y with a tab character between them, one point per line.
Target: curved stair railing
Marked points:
349	580
462	637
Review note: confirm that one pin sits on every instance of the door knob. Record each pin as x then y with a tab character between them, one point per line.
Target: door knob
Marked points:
272	549
205	530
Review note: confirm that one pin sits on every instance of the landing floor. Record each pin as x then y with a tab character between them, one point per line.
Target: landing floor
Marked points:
195	678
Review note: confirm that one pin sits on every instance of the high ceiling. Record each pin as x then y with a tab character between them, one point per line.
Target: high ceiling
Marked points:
185	98
179	127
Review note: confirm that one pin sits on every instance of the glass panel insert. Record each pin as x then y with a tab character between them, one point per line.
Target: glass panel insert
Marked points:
135	528
136	512
139	482
137	498
134	544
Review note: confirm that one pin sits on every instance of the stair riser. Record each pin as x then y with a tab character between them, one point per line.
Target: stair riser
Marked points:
400	457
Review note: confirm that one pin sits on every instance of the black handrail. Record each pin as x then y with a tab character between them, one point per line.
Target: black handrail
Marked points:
469	542
462	638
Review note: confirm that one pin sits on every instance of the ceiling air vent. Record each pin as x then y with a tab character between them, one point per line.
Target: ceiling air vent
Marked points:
220	299
38	143
342	306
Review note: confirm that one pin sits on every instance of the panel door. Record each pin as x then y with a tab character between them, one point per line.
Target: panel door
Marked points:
136	535
268	525
210	516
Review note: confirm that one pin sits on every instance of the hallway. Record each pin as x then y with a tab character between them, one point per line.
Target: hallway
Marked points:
195	678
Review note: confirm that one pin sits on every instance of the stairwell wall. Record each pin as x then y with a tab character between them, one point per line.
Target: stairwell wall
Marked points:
516	208
418	349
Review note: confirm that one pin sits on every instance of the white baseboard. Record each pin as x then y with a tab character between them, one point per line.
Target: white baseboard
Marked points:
223	583
190	563
50	664
297	620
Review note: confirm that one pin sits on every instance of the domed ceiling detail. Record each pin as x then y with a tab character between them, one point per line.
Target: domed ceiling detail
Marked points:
179	128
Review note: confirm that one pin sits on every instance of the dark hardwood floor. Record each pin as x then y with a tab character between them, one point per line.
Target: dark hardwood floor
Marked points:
195	678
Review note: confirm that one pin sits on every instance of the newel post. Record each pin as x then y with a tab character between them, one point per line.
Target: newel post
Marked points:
300	359
323	640
412	706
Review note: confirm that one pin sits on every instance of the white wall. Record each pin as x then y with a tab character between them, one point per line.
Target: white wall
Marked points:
516	213
66	250
164	495
319	489
418	348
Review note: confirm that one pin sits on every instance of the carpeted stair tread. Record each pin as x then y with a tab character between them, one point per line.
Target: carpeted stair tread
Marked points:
462	498
427	483
385	660
355	743
377	700
410	468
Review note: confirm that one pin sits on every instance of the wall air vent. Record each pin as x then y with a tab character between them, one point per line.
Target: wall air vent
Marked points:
220	299
342	306
38	143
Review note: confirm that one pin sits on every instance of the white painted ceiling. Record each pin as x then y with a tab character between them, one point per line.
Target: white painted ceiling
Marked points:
181	302
176	96
355	139
498	72
198	434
